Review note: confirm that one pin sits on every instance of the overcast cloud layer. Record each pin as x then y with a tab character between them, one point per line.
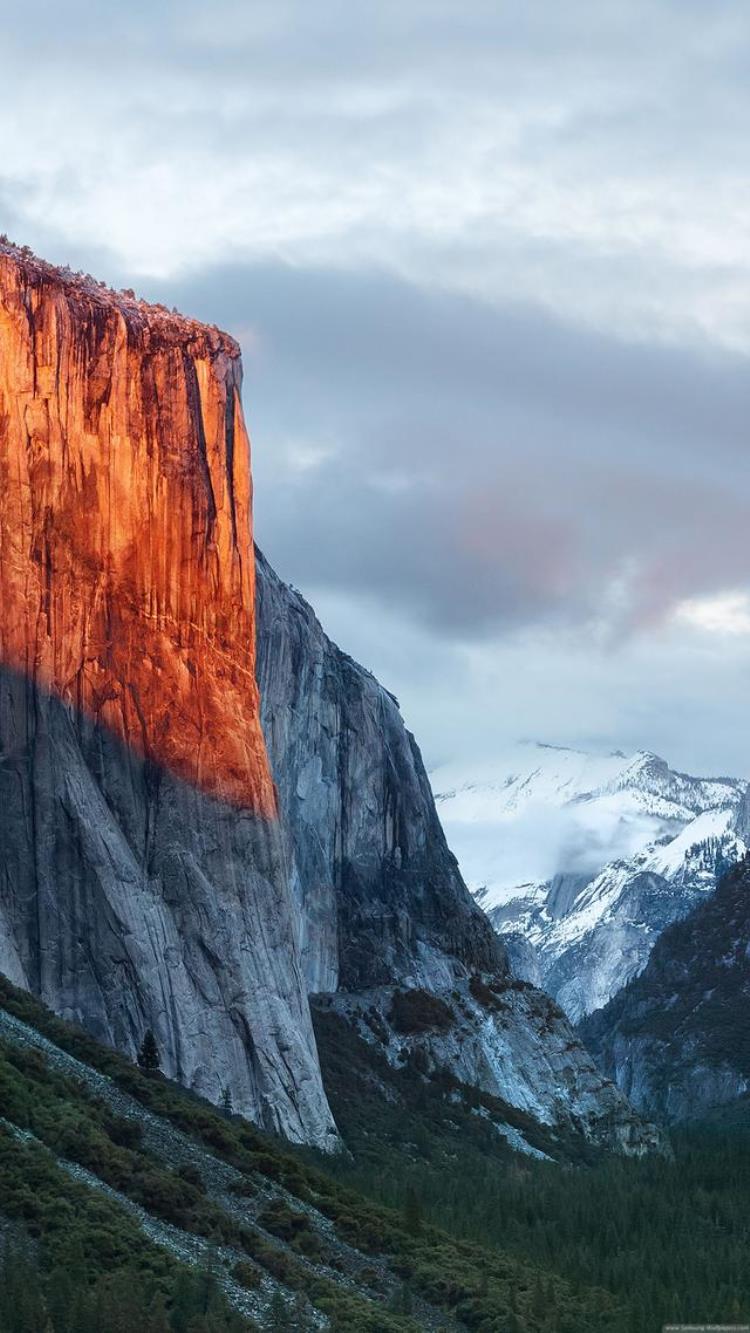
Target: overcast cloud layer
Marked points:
490	266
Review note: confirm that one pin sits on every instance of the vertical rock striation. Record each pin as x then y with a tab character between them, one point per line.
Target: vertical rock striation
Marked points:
142	880
386	920
380	894
126	563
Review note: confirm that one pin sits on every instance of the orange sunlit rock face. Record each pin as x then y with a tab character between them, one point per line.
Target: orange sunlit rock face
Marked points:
126	556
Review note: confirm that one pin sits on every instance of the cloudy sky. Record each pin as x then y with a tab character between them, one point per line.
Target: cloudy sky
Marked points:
490	267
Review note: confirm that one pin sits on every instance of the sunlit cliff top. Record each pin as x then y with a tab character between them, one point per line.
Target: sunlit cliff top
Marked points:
87	296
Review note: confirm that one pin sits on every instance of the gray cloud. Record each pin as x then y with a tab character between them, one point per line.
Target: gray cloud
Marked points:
490	267
480	466
591	158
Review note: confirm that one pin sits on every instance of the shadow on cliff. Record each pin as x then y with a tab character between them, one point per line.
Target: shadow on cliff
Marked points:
381	895
130	899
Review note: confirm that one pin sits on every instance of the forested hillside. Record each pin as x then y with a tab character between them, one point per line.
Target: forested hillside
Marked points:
114	1180
665	1237
128	1205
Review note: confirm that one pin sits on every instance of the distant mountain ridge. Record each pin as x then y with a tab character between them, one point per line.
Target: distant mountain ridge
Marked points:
677	1040
615	849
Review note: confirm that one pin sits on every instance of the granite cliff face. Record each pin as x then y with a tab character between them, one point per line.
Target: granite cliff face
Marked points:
146	879
380	894
677	1040
142	880
384	911
126	570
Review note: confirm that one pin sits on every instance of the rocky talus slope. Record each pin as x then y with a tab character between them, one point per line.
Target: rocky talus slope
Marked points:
677	1039
142	881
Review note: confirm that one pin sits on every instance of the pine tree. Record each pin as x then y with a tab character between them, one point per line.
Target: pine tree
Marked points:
22	1307
159	1319
61	1290
226	1101
412	1211
277	1313
183	1301
301	1311
538	1301
148	1055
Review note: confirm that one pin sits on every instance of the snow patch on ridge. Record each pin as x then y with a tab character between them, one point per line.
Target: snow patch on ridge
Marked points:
581	860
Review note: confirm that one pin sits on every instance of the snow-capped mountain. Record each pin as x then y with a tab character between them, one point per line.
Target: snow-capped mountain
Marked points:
582	860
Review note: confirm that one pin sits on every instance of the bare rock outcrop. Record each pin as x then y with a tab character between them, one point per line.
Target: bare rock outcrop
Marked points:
383	908
142	880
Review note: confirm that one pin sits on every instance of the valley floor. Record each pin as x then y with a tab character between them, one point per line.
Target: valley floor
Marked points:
665	1236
